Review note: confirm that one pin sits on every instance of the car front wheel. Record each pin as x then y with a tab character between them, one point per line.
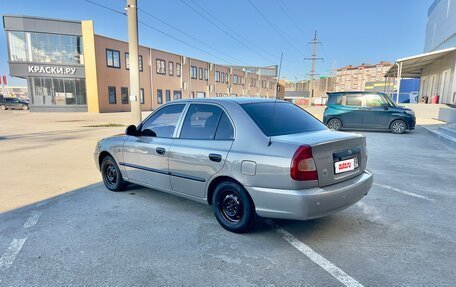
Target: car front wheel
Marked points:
3	107
398	127
112	178
25	107
233	208
334	124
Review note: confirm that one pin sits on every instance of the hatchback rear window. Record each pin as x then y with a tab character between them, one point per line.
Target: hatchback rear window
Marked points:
283	119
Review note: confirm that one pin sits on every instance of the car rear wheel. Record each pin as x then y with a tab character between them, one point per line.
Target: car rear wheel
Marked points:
398	127
334	124
112	178
3	107
233	208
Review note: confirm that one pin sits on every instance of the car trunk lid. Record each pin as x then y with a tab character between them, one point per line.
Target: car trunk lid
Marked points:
338	156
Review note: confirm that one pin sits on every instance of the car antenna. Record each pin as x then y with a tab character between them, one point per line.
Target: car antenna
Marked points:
275	95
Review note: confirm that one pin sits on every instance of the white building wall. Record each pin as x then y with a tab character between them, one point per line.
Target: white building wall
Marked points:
438	79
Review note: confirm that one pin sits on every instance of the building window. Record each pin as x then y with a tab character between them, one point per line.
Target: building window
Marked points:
161	66
18	46
112	58
171	68
217	76
58	91
193	72
127	62
200	72
141	95
223	77
206	74
159	97
45	48
177	95
112	95
235	79
124	95
263	84
178	69
168	96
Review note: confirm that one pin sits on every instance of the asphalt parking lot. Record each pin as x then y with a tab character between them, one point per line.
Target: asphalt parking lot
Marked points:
401	234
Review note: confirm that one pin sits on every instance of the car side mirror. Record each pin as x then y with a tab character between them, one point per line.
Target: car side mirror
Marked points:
386	106
132	131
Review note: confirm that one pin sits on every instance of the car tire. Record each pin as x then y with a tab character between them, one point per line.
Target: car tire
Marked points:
25	107
233	208
3	107
112	177
334	124
398	127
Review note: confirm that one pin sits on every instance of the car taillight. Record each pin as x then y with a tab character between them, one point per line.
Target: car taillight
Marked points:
303	165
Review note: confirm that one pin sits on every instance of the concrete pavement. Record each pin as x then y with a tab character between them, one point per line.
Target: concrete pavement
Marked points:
400	234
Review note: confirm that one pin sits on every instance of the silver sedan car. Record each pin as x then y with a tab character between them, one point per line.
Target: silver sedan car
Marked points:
244	156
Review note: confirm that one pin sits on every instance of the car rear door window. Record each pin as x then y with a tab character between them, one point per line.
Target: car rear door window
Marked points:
201	122
282	118
164	121
225	130
354	100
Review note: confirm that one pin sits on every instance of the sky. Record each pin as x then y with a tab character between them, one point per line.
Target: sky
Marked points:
352	32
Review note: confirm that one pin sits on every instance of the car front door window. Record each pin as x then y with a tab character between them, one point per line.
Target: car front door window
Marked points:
164	121
374	101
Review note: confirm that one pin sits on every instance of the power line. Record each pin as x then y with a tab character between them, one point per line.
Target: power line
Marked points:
232	31
274	27
158	30
188	35
289	16
224	31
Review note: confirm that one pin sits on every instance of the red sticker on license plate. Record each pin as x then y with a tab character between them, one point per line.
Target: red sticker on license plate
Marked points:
346	165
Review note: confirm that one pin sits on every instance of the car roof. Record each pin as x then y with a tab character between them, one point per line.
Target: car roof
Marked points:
239	100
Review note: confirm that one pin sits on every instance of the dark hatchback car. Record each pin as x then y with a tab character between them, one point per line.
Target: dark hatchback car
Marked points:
367	111
13	103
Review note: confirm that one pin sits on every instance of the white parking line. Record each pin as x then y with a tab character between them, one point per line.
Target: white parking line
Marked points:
403	191
32	220
8	257
324	263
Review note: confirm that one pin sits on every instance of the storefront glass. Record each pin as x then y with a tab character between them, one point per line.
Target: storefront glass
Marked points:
58	91
45	48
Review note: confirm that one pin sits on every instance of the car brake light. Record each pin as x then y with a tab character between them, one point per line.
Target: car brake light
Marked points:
303	165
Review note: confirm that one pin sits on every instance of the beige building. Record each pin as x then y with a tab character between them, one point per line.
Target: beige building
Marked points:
354	78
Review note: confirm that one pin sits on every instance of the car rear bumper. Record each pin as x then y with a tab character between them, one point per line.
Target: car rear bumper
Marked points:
310	203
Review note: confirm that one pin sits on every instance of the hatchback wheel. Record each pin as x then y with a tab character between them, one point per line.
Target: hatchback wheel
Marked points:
112	177
233	207
334	124
398	127
3	107
25	107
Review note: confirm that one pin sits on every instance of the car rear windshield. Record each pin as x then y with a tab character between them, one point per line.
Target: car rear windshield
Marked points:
283	119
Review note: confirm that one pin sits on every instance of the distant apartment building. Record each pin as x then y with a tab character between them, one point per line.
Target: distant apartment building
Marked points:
354	78
70	68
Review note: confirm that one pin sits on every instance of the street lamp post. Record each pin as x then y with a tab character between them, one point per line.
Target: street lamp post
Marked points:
133	46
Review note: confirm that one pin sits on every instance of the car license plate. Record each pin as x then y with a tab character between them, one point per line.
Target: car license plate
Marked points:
346	165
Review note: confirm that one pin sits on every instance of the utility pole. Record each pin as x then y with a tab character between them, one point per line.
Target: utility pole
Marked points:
132	11
314	58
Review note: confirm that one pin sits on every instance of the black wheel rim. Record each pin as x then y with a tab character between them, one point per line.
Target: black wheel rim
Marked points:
231	206
110	174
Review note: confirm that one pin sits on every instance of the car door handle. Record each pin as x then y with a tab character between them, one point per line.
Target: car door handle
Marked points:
215	157
160	150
